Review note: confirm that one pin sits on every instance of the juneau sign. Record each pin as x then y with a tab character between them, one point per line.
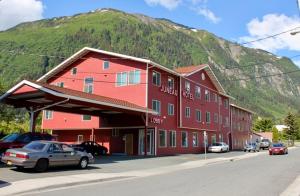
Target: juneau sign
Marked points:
168	90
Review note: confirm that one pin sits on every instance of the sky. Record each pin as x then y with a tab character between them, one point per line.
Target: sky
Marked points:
235	20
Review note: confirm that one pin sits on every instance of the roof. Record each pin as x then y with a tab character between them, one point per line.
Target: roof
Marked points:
241	108
181	72
266	135
190	69
78	96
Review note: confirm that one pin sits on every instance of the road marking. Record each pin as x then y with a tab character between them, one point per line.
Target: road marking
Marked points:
293	189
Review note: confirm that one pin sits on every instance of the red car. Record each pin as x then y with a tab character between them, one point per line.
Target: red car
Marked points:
278	148
17	140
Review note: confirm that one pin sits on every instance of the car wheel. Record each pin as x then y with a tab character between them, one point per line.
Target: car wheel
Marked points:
19	168
245	150
83	163
41	165
287	152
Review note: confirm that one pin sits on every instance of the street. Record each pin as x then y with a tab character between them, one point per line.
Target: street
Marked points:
260	175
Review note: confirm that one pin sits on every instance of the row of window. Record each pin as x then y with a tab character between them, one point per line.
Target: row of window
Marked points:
48	115
184	139
128	78
105	66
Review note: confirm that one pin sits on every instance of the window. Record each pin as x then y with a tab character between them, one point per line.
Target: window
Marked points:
184	139
88	85
220	137
213	138
226	103
86	117
156	78
74	71
187	86
221	119
215	97
207	95
162	138
195	139
60	84
172	138
105	64
79	139
115	132
122	79
170	109
215	117
198	115
135	77
187	112
171	83
226	121
48	114
207	117
220	100
156	106
197	92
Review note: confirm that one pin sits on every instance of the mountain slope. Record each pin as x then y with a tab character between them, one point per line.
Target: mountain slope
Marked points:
30	49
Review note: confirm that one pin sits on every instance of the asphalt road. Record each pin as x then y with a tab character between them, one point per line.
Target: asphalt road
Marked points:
261	175
108	164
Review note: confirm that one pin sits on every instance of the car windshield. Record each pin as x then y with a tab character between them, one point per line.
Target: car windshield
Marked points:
36	146
265	140
277	145
216	144
10	138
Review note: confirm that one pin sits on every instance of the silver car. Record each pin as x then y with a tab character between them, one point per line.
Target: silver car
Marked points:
254	147
218	147
43	154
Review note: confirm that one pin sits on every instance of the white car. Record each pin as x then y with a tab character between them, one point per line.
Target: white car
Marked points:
218	147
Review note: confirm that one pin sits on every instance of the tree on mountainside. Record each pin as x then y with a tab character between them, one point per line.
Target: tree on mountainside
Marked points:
293	130
276	136
263	125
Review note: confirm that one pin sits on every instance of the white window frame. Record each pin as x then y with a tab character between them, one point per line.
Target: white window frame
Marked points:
134	77
187	112
158	104
198	94
48	114
172	133
157	82
115	132
171	109
79	141
207	95
187	86
72	71
165	134
171	81
186	139
82	117
197	139
60	84
88	85
120	83
103	65
207	114
216	118
200	115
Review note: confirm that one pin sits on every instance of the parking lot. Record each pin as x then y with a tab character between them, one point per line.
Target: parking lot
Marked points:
110	164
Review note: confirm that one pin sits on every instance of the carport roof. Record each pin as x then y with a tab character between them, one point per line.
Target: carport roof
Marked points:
81	100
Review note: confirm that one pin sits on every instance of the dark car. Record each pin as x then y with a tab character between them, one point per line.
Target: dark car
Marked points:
17	140
265	144
278	148
91	147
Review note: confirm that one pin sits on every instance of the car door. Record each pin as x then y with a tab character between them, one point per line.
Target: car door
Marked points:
71	157
55	155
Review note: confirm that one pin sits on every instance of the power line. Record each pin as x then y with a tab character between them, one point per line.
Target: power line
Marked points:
275	35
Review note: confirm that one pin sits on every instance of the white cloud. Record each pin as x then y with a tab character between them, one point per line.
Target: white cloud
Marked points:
208	14
269	25
13	12
169	4
297	63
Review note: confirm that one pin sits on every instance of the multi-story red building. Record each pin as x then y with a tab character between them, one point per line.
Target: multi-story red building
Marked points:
241	126
131	105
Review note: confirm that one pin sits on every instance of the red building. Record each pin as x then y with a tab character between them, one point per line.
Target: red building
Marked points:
241	126
117	99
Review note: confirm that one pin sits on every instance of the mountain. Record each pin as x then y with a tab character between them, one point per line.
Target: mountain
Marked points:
31	49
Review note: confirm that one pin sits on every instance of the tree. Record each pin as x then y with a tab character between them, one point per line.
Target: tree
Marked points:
263	124
276	136
293	130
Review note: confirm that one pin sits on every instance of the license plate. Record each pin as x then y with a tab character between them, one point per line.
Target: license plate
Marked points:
13	155
9	163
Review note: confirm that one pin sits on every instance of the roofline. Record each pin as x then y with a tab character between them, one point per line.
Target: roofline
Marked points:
241	108
58	94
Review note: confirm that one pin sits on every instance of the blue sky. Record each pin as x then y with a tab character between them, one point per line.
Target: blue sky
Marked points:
235	20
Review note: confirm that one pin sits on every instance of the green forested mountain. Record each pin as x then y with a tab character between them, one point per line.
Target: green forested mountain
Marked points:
31	49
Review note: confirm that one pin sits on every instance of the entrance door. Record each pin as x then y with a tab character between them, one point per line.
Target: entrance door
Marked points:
129	144
150	142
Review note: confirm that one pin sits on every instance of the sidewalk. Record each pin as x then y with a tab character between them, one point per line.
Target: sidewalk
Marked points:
38	184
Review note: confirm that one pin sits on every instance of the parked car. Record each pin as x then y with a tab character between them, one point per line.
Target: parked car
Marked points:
43	154
218	147
254	147
17	140
265	144
278	148
91	147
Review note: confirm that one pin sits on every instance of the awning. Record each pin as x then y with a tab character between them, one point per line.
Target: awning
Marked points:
38	96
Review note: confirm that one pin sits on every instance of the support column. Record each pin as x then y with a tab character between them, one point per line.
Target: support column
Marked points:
145	141
93	134
33	115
